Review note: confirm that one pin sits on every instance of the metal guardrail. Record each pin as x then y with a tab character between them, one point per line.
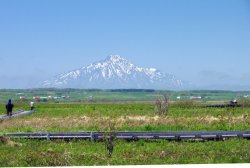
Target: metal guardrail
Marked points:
95	136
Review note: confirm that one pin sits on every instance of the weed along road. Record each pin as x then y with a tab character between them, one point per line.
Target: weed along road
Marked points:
131	136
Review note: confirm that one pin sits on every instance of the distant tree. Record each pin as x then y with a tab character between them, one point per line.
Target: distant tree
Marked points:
162	105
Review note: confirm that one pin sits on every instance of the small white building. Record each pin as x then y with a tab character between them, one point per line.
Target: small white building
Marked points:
195	97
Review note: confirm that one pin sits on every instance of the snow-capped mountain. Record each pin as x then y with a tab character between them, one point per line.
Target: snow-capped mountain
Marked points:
114	72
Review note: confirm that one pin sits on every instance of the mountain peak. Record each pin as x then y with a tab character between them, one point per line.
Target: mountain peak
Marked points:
115	58
114	72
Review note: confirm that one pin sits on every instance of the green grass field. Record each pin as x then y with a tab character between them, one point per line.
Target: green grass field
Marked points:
127	117
79	153
137	115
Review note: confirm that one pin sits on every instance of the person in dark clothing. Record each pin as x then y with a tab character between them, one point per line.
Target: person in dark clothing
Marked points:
9	106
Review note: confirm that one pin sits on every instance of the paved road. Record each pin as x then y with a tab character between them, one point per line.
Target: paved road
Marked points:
15	114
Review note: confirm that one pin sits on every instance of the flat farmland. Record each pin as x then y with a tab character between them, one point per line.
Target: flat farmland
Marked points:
125	116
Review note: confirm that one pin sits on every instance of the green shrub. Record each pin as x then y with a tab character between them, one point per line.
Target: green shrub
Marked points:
245	102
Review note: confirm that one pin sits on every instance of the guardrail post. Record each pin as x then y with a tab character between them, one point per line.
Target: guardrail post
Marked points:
177	137
48	136
92	136
135	138
240	135
156	137
219	137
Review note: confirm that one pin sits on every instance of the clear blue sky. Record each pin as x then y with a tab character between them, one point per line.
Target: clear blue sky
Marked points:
205	42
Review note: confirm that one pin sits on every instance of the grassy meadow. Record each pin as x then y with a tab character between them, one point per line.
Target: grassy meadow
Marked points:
127	117
83	153
134	114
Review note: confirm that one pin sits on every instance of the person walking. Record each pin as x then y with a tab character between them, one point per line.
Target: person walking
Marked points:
9	106
32	105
